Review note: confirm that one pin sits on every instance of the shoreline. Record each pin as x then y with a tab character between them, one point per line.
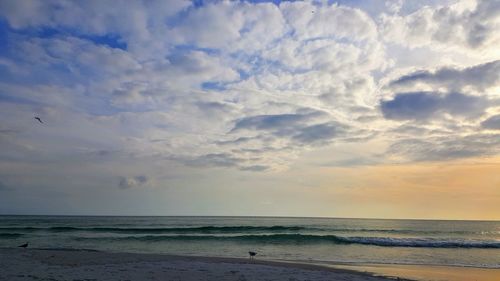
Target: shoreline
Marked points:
89	264
86	264
428	272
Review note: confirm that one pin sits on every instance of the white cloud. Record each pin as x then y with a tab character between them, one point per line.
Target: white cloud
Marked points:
310	21
463	25
129	182
188	78
230	26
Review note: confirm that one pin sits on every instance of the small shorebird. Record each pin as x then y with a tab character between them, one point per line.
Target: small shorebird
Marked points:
252	254
23	245
39	120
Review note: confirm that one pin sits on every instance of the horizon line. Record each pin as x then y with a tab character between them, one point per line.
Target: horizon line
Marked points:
256	216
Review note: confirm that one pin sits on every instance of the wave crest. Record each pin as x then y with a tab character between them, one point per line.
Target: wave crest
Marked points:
311	239
10	235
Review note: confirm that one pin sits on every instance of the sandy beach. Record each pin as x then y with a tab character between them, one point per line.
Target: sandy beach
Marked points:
59	265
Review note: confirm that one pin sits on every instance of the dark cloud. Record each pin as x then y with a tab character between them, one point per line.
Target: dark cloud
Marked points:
351	162
481	25
213	109
492	123
129	182
316	134
271	122
446	147
224	160
276	122
255	168
479	77
426	105
213	160
303	127
261	150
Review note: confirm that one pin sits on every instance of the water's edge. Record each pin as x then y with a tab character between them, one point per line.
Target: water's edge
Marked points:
140	257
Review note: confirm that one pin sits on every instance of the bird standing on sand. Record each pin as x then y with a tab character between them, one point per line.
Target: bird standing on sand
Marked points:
39	120
252	254
23	245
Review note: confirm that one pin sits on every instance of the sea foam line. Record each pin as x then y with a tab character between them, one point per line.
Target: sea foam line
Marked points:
310	239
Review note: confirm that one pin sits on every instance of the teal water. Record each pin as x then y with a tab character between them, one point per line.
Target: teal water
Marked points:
453	243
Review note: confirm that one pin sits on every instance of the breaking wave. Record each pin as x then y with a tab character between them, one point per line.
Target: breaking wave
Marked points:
311	239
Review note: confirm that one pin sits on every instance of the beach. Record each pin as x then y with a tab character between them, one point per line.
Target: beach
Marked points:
216	248
86	265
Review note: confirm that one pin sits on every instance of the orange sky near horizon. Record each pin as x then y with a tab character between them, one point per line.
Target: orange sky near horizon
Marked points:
446	190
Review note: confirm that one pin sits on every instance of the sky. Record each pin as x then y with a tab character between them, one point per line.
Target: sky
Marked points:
377	109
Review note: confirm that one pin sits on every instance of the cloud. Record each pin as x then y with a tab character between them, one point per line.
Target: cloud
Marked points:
208	91
447	103
305	127
224	160
394	6
232	26
427	105
492	123
409	130
465	24
352	162
275	122
318	133
255	168
237	85
207	70
135	22
213	160
131	182
237	141
478	77
447	147
328	21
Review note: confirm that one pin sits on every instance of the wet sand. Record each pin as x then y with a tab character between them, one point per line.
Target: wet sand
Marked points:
428	272
80	265
89	265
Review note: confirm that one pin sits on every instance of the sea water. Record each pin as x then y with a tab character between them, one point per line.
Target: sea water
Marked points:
320	240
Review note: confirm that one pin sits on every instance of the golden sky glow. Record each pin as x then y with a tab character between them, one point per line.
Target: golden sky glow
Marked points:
449	190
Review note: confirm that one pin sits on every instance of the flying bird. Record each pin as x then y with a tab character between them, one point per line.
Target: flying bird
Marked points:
252	254
39	120
23	245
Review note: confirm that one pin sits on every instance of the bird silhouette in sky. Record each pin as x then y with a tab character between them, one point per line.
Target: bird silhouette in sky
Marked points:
39	120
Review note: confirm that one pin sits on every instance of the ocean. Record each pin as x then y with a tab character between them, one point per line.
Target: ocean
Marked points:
313	240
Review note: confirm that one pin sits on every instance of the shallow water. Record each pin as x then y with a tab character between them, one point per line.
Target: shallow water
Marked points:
458	243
